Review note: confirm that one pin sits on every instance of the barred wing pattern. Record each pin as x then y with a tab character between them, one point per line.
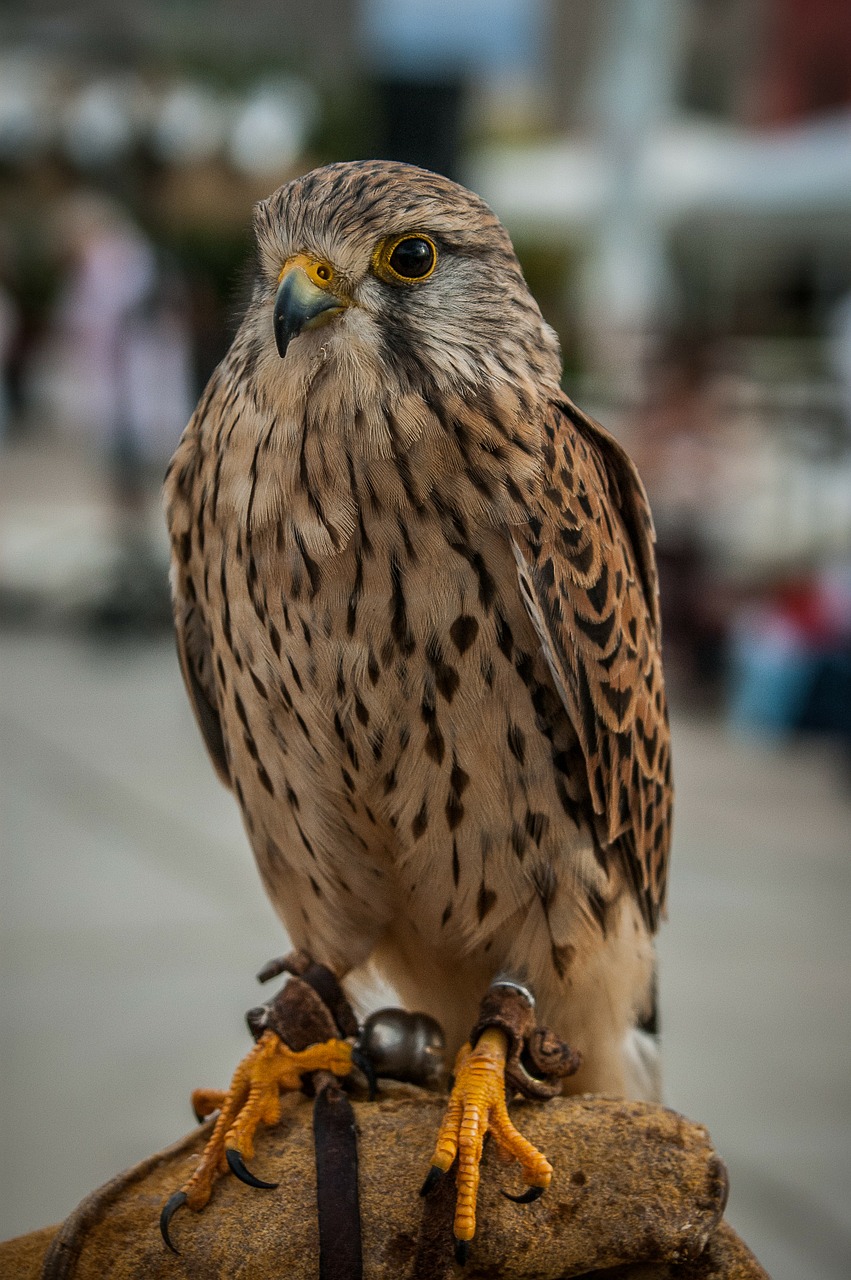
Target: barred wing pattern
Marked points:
588	579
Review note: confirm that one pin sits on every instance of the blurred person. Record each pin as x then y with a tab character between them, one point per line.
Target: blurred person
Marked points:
10	330
791	657
9	326
671	438
829	706
120	341
122	379
839	351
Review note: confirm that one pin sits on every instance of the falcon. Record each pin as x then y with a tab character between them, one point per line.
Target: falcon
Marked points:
416	607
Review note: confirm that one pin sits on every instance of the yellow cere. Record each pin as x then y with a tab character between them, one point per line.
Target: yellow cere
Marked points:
317	271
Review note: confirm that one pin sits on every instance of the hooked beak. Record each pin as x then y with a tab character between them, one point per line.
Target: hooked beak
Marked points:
300	303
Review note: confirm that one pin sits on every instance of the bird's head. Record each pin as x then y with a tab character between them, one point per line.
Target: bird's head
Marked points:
377	275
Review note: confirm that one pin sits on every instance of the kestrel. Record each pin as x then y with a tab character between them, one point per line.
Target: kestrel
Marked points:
416	606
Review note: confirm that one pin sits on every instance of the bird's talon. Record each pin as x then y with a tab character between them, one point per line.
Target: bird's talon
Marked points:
477	1107
462	1251
253	1099
433	1177
529	1196
273	969
363	1063
170	1208
238	1168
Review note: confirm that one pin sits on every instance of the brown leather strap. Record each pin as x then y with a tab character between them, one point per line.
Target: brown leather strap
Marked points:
312	1007
338	1204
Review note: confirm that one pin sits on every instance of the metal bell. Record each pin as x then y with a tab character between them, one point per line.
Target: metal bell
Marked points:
404	1046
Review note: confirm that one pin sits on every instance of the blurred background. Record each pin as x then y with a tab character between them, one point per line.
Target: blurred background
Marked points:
676	175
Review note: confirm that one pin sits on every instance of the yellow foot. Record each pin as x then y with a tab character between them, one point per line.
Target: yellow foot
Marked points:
253	1099
477	1107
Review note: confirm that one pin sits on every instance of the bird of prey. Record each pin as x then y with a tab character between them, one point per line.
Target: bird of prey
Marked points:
416	606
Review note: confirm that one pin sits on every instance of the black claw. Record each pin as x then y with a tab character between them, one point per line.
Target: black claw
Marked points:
170	1208
364	1064
462	1251
529	1196
199	1118
273	968
433	1176
236	1164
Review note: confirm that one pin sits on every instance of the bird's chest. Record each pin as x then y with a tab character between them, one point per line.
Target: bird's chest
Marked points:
390	646
391	722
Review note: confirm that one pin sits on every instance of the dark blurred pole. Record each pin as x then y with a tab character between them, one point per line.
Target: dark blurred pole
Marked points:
573	51
425	61
420	122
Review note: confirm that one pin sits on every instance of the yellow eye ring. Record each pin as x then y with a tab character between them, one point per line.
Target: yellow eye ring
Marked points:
408	259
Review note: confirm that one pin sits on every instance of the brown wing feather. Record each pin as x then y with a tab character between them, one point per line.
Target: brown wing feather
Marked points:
588	576
193	649
193	642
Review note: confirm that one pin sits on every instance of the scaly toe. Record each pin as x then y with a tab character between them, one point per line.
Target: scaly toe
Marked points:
253	1099
477	1107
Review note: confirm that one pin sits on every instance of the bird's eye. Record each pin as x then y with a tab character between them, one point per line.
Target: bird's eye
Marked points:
412	258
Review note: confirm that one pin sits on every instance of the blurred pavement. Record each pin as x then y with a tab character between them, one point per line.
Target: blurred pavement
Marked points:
133	921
